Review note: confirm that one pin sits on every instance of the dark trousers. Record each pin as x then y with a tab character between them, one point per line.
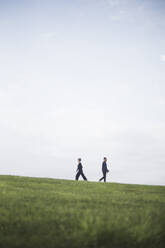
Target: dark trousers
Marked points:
82	174
104	176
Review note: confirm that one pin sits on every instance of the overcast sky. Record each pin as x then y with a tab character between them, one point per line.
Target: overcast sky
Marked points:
83	78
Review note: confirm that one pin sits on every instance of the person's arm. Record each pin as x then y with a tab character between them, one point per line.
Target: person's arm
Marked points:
103	166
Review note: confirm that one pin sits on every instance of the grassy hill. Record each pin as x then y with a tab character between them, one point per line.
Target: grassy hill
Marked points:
47	213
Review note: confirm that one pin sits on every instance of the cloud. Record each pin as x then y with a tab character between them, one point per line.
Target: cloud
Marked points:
163	57
48	36
113	2
118	16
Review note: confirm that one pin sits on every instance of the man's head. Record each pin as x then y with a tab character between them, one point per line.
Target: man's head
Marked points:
105	159
79	160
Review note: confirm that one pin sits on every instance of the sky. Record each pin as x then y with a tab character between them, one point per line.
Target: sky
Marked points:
83	78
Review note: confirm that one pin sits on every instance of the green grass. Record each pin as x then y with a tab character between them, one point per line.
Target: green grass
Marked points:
47	213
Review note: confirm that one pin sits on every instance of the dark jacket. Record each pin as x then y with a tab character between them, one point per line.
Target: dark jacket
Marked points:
104	167
79	168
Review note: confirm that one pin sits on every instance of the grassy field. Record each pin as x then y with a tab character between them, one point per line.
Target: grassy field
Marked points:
47	213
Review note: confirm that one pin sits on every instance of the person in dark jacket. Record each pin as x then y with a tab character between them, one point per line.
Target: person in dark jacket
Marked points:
80	171
104	170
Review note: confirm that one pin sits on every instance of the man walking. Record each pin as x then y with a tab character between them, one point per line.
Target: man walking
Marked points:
104	170
80	171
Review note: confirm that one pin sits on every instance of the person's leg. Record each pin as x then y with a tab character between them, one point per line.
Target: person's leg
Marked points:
83	176
77	175
105	176
102	178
